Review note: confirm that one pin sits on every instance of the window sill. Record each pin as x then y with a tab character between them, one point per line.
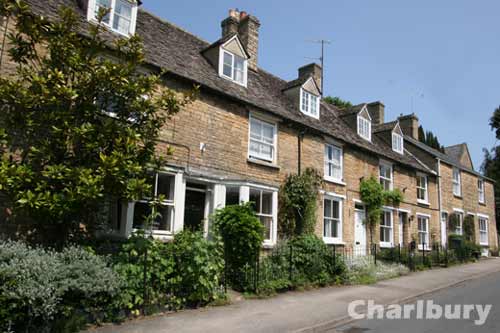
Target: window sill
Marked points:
386	245
458	196
334	181
426	248
422	202
482	203
268	245
333	241
484	244
263	163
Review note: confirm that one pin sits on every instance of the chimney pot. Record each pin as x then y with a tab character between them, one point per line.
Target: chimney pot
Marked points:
248	32
243	15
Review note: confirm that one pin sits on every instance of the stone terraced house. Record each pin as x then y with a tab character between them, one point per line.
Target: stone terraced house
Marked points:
249	129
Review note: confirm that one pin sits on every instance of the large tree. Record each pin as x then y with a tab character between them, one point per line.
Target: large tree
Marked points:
78	123
491	163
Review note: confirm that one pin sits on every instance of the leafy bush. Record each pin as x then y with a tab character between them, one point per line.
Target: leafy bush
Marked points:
185	272
198	267
242	234
37	286
298	200
301	261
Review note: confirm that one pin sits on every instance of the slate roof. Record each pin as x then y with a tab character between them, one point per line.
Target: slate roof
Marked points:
180	53
448	159
389	126
456	151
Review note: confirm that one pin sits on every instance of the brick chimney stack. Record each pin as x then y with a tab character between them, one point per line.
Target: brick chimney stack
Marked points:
247	27
377	112
409	125
313	70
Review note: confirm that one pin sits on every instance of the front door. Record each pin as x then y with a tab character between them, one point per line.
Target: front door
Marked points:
401	225
194	213
444	222
359	230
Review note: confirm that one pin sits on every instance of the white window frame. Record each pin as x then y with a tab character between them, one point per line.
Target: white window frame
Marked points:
261	157
397	143
307	100
386	243
424	188
481	192
364	124
383	178
245	197
233	67
334	164
425	233
91	16
167	203
339	220
457	182
459	229
485	231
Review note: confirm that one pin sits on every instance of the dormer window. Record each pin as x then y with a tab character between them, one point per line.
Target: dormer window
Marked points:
309	103
121	16
364	128
234	67
397	143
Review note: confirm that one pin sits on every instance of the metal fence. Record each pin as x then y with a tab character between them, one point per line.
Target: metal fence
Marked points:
285	267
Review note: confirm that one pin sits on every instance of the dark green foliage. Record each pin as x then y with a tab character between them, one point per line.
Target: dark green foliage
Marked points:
374	197
46	291
298	203
469	228
463	249
491	164
77	126
495	122
300	262
429	139
184	272
242	234
453	222
338	102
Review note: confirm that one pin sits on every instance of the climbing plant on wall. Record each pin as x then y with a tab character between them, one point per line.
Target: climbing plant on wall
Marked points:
298	203
374	197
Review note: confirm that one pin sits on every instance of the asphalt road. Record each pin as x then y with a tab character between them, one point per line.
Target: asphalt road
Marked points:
485	290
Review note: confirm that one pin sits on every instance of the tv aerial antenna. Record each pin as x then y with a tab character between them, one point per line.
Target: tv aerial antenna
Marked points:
323	42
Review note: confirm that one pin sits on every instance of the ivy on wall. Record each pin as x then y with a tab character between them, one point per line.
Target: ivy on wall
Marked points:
374	197
298	203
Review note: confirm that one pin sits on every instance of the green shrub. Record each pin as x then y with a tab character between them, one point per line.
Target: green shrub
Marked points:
143	259
38	286
301	261
242	234
198	267
184	272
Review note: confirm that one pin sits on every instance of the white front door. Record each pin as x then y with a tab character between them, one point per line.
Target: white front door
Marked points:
359	230
444	233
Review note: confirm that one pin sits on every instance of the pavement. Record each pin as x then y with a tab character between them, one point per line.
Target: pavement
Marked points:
320	310
482	291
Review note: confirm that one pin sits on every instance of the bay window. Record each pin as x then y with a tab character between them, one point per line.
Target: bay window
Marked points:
160	221
263	201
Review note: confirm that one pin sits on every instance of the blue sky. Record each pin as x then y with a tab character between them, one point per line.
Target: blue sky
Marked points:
442	55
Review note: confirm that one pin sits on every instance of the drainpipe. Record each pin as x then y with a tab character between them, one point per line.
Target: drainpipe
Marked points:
440	203
300	136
